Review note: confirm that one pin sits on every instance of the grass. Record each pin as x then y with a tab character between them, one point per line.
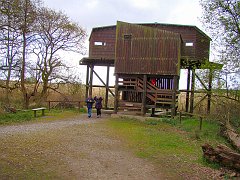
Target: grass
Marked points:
151	139
26	116
10	118
166	140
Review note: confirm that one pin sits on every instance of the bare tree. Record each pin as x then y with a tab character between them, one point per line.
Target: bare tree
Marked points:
221	19
56	34
9	48
27	18
31	41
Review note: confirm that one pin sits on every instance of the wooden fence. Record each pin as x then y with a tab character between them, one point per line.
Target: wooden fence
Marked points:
63	103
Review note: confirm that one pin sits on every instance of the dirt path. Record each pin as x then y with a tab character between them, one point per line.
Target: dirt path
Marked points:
78	148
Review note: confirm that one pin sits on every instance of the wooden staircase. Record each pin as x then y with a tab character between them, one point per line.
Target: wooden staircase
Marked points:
156	98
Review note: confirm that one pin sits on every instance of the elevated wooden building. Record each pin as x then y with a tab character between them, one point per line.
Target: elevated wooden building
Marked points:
147	59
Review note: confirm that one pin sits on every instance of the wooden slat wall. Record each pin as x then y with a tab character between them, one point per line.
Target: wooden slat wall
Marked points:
202	48
148	51
105	35
201	44
199	51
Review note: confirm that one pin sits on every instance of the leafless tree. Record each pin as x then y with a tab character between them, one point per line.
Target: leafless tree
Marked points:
9	48
221	19
56	33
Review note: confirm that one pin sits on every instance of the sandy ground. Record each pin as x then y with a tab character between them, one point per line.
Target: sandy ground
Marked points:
86	150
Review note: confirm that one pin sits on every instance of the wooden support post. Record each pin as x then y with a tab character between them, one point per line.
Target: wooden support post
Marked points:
175	87
144	94
116	95
200	127
78	105
173	105
209	91
188	88
180	117
107	86
91	80
49	103
153	112
43	114
87	82
102	82
192	91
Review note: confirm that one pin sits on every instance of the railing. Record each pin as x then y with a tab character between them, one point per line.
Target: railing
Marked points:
151	89
65	102
166	97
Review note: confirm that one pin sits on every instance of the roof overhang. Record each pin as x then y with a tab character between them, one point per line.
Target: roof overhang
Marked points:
97	61
211	65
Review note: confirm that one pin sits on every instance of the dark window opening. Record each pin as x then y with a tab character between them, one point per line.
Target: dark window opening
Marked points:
127	36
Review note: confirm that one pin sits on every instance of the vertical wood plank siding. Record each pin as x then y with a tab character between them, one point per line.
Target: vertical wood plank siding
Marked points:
202	48
146	50
107	35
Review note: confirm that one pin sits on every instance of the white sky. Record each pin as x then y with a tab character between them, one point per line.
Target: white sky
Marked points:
94	13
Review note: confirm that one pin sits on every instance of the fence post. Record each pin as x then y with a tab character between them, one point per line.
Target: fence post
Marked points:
180	117
49	105
78	105
200	123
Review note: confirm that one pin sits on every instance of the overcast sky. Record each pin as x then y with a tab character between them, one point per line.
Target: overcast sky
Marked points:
94	13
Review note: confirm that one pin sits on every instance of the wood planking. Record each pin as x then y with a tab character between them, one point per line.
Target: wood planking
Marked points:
151	51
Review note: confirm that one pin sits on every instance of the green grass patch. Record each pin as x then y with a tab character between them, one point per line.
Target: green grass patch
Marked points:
210	132
169	143
152	138
10	118
26	116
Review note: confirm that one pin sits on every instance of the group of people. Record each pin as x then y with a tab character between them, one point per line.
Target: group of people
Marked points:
98	105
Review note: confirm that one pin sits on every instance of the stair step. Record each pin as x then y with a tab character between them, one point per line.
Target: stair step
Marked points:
129	108
150	106
164	99
129	104
166	102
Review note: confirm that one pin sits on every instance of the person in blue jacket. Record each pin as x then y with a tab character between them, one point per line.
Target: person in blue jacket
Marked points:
89	102
98	105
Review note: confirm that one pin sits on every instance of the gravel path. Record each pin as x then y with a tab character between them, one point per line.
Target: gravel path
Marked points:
27	128
84	147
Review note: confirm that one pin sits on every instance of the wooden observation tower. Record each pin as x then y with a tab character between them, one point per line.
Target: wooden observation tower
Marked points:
147	59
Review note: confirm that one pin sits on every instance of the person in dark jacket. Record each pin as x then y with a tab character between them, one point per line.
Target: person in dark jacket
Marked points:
89	102
98	105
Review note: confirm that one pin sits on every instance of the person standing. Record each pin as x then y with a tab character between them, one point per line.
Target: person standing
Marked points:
89	102
98	105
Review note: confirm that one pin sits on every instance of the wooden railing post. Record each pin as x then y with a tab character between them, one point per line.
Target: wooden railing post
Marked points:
143	110
200	123
49	102
116	94
180	117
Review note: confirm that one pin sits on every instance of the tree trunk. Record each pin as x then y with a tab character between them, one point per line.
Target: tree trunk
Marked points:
223	155
232	136
43	97
23	88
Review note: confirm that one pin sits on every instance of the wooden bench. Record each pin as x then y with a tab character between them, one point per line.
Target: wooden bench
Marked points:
38	109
